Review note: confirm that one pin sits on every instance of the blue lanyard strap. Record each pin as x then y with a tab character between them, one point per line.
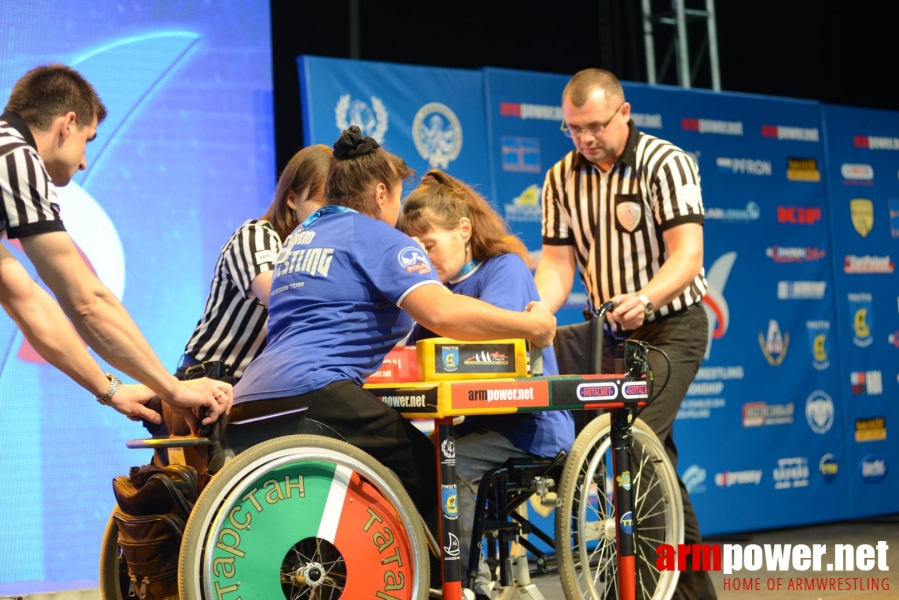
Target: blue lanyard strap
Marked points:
329	209
468	268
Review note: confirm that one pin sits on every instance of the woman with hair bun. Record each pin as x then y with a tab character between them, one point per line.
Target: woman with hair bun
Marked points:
345	284
474	255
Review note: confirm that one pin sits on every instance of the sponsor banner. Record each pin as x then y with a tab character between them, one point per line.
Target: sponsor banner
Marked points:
408	399
474	358
872	429
500	395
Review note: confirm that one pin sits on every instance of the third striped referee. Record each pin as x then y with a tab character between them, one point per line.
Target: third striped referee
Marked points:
624	210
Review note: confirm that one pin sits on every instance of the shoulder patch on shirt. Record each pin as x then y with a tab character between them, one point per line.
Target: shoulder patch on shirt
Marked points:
691	194
265	256
414	260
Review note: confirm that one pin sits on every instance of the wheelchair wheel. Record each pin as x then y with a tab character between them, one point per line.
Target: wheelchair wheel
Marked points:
304	517
114	582
586	520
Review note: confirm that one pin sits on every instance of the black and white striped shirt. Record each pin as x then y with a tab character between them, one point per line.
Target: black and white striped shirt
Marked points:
27	195
653	187
234	323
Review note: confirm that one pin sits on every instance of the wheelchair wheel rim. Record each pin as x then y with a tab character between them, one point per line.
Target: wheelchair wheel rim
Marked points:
349	542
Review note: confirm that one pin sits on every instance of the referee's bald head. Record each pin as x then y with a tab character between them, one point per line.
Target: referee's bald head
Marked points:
583	82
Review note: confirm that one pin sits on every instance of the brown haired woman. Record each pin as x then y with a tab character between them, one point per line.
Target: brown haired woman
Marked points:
233	326
475	256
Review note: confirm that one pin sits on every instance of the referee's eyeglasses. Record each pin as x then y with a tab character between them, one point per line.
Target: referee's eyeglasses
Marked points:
594	129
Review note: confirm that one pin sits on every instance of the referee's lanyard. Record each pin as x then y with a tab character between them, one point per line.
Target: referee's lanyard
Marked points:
330	209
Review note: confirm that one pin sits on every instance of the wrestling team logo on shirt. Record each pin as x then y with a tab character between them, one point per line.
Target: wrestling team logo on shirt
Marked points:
414	261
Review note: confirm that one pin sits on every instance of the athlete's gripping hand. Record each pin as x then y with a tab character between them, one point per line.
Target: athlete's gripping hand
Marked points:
213	395
130	400
544	323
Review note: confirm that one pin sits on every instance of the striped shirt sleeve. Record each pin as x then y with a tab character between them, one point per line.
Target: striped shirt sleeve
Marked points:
675	188
27	196
250	251
555	229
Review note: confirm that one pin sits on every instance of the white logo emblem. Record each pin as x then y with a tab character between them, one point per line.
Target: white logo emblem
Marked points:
448	447
629	214
819	411
437	134
371	120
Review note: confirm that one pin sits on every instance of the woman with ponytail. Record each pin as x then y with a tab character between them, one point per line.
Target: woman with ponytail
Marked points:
474	255
345	284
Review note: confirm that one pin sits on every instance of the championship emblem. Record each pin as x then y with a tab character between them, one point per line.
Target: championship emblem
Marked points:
818	334
450	356
629	214
862	212
860	307
437	134
371	120
774	345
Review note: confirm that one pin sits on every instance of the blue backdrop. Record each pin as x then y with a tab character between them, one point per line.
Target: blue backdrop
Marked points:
783	424
185	156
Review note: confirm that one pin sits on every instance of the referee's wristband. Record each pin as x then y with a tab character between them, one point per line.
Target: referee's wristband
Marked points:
114	383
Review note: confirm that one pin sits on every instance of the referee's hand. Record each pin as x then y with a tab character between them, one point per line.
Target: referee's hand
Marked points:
629	312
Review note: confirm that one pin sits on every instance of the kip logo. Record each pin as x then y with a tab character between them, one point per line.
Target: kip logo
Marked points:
372	120
413	260
635	390
593	391
860	308
450	357
818	337
798	215
774	345
714	303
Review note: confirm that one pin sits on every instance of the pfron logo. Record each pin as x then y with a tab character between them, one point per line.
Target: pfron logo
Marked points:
860	307
372	120
819	411
798	215
828	467
437	134
866	383
867	264
796	134
856	174
872	142
774	345
791	473
794	254
413	260
744	166
873	468
861	210
714	303
818	337
803	169
526	207
712	126
694	479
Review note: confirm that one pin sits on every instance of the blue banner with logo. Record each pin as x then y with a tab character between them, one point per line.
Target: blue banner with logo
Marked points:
432	118
863	194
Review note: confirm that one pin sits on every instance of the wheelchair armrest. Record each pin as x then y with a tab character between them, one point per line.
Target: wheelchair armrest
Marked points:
172	441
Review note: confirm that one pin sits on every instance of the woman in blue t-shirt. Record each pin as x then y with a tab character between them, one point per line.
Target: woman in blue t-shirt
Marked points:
345	284
473	254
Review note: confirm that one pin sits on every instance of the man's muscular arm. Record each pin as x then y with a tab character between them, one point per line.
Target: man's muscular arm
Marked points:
555	275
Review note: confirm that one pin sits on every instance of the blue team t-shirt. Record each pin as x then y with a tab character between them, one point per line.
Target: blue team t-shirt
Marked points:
334	307
506	282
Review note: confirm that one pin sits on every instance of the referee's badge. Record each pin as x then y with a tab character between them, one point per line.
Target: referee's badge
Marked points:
629	214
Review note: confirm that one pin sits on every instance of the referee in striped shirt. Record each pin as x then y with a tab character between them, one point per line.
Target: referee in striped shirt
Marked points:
624	209
52	113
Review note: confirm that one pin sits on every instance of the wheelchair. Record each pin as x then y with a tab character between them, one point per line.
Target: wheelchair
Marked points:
311	517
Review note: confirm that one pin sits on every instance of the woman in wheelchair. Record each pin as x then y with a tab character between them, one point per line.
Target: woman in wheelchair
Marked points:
474	255
345	285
